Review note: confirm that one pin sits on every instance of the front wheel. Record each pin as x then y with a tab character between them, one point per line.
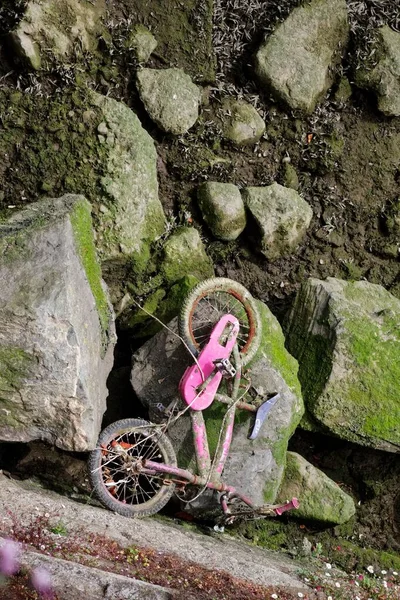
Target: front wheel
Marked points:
208	302
115	468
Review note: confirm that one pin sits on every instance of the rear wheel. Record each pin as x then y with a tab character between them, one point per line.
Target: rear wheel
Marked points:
115	468
208	302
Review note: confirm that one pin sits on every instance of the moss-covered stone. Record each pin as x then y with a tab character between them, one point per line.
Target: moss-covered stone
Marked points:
320	498
50	28
383	79
141	42
345	336
290	177
131	217
241	123
223	209
170	97
184	254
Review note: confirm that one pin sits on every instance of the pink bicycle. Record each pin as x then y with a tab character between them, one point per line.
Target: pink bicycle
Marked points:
133	469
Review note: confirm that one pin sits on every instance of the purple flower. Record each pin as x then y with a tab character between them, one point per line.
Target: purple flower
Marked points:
41	581
9	558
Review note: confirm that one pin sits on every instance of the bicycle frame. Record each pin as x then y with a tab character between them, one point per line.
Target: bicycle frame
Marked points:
209	475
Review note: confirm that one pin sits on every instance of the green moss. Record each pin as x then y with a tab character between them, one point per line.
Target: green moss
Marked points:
266	533
175	25
273	346
373	347
82	227
351	557
44	136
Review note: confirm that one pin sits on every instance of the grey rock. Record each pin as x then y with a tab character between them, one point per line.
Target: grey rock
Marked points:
320	498
54	26
295	62
170	97
56	327
384	78
347	340
184	254
134	216
223	209
220	552
73	581
141	42
281	215
241	123
254	467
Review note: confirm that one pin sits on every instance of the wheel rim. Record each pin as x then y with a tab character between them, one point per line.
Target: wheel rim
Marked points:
121	458
210	307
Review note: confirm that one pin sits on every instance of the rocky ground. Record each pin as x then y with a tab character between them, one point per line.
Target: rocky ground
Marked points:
63	129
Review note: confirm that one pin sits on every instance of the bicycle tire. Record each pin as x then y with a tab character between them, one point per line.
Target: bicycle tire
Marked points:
124	492
201	310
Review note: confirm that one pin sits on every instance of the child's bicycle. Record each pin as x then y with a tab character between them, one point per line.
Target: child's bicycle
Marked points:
133	469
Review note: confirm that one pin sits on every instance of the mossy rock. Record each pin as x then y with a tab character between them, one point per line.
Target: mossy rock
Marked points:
345	336
50	28
223	209
320	498
184	254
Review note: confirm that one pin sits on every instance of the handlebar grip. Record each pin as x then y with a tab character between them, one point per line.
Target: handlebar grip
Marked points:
294	503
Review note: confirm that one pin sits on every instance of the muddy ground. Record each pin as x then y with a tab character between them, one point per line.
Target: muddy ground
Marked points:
347	159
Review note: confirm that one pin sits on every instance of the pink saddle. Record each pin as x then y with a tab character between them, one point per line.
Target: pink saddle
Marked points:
219	347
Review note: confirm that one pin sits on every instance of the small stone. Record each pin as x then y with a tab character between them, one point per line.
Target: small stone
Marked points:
296	61
241	123
142	42
102	128
170	97
282	217
223	209
321	498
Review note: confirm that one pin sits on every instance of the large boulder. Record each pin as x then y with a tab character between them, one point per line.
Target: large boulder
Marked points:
131	215
346	338
282	218
56	327
254	467
223	209
384	78
53	27
296	62
170	97
321	499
